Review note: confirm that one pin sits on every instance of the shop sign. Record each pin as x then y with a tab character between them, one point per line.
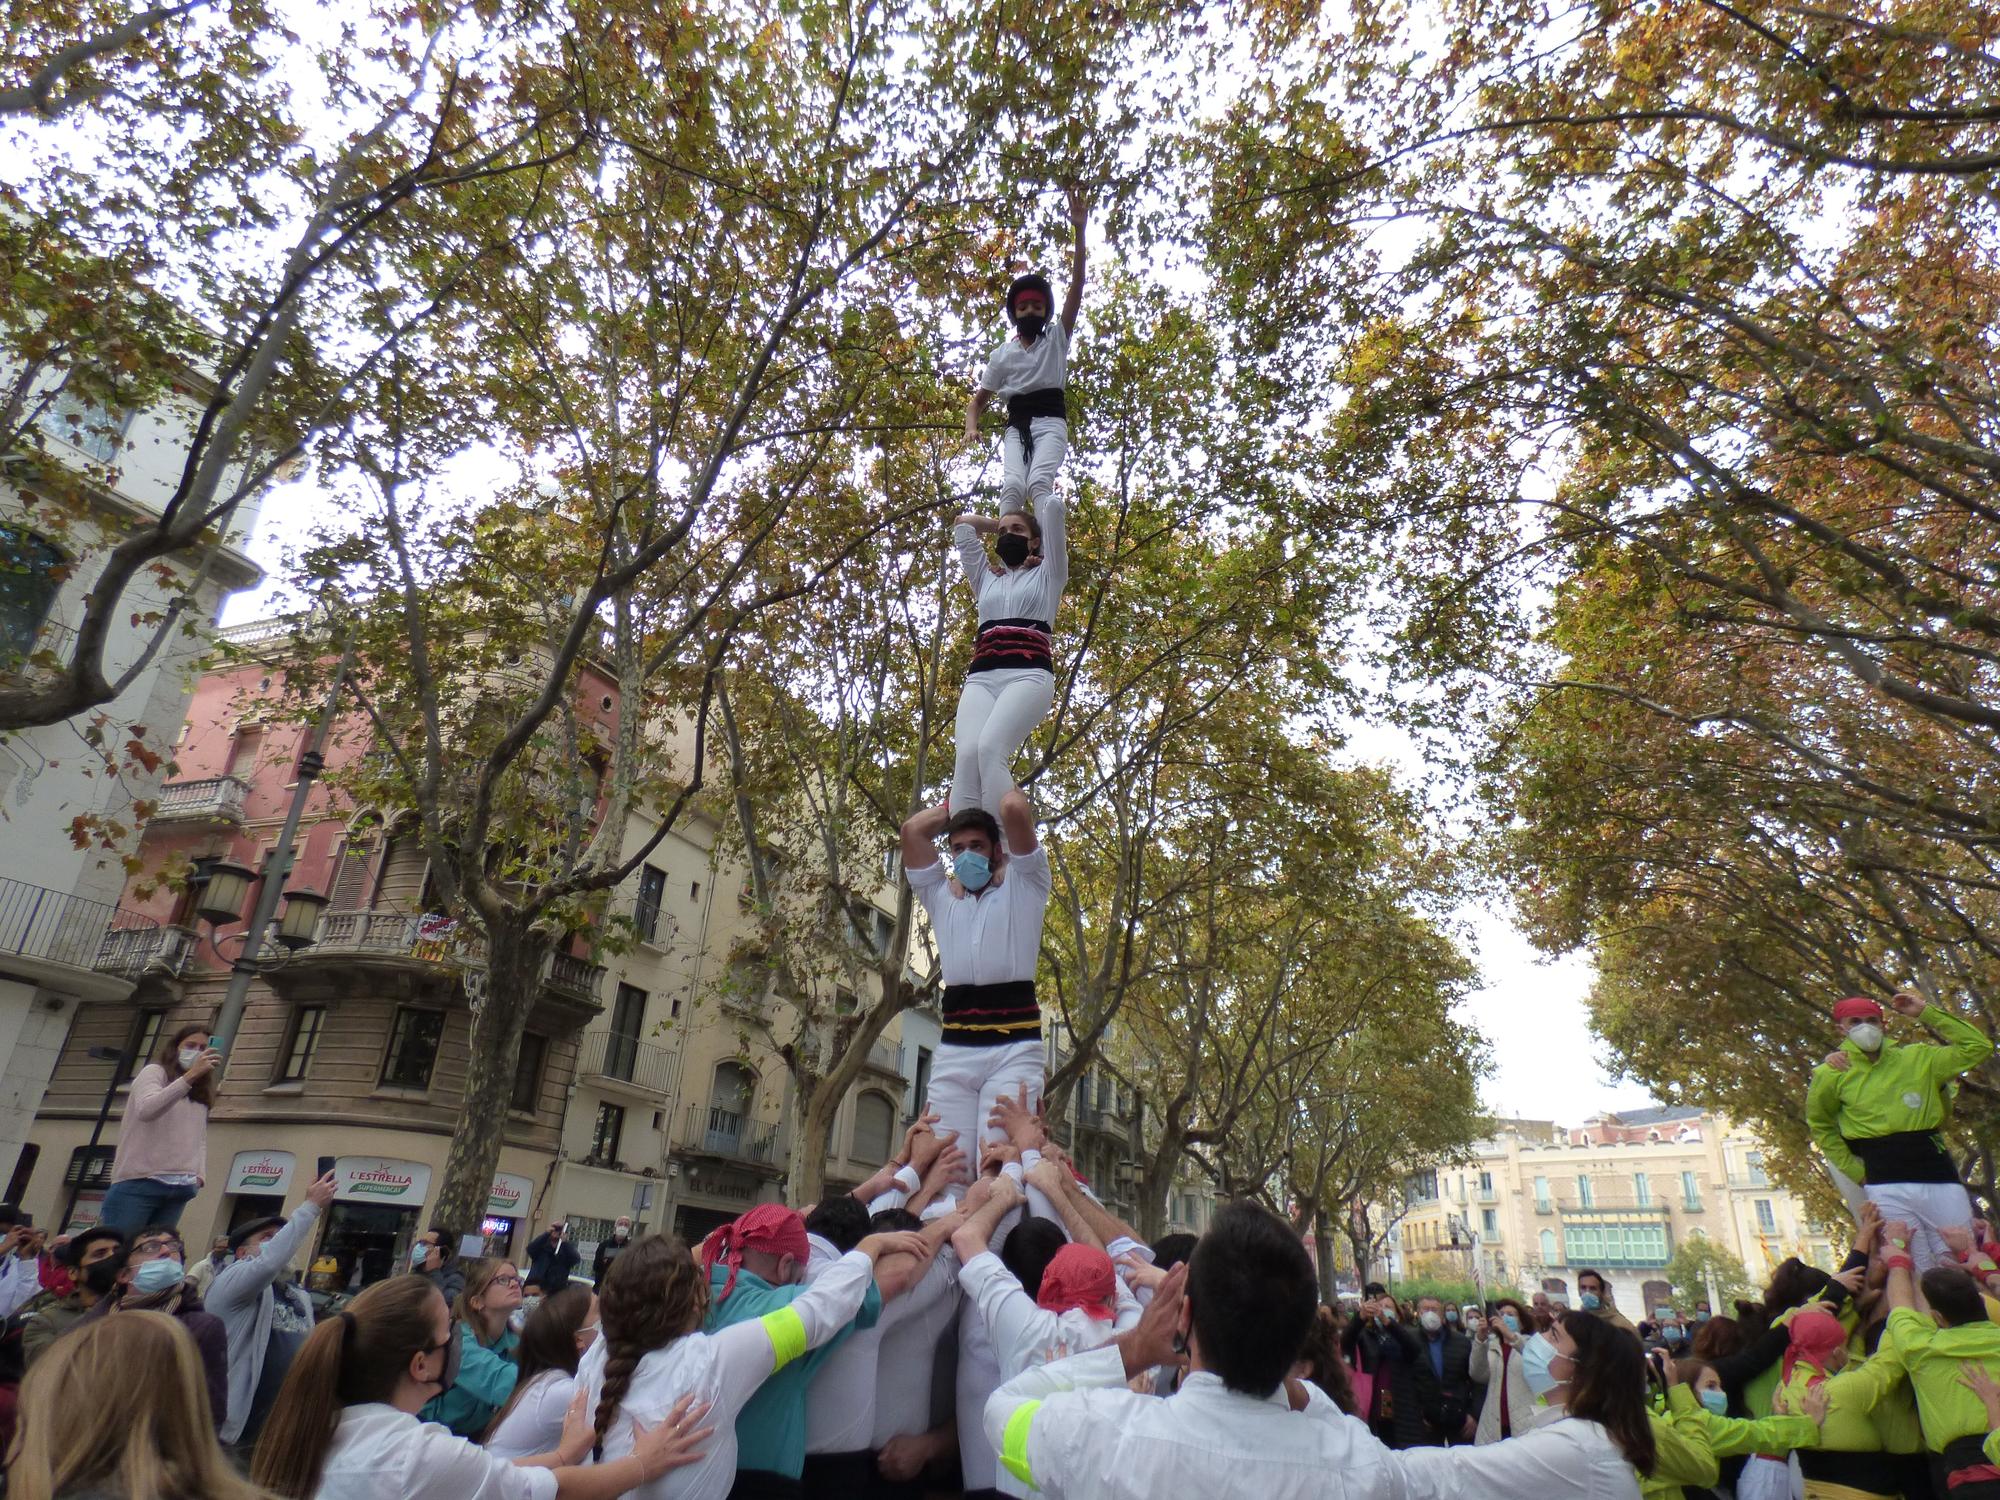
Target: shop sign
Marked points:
380	1179
510	1196
265	1172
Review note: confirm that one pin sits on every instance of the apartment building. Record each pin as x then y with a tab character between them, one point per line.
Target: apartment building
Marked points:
640	1088
1538	1202
67	939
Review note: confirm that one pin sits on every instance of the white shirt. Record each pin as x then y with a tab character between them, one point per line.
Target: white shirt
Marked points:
1018	593
1023	1332
724	1368
1091	1438
534	1423
912	1327
1015	367
1568	1459
840	1402
994	937
380	1453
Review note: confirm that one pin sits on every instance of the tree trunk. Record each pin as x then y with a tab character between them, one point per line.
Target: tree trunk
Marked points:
1323	1252
514	958
808	1170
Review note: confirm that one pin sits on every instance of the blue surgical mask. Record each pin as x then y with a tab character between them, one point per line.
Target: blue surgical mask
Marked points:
972	868
1716	1401
157	1276
1537	1355
1591	1302
1509	1322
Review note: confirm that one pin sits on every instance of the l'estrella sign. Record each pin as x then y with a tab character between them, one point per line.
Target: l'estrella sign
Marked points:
264	1172
381	1179
510	1195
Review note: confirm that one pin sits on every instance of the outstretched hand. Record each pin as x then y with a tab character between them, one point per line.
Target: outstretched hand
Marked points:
1909	1003
1155	1338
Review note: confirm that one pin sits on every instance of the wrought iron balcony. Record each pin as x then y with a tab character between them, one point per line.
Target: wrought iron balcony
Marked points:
213	799
426	951
726	1133
49	929
608	1058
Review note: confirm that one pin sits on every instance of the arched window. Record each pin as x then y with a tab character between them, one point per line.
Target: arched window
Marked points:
31	571
1549	1256
729	1104
874	1128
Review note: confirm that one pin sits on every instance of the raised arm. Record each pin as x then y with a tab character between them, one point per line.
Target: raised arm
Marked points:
1050	1181
151	1095
1079	216
1965	1045
1106	1228
920	835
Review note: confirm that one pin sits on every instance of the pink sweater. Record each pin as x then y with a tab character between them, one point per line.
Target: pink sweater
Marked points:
164	1130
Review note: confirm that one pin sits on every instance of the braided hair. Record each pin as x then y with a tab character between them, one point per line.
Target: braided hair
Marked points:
653	1294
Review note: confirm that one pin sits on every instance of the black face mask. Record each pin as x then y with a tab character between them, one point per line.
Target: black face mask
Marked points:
1030	325
1012	547
454	1351
100	1276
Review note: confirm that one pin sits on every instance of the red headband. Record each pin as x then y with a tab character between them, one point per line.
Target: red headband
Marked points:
1079	1276
1814	1335
769	1227
1857	1008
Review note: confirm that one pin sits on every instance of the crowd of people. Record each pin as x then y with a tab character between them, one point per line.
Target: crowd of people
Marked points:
973	1319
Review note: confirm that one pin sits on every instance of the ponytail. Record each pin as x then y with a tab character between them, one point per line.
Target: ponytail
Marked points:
653	1294
356	1356
1609	1387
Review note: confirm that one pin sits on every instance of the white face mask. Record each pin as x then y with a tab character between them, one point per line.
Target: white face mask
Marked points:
1431	1321
1866	1035
189	1057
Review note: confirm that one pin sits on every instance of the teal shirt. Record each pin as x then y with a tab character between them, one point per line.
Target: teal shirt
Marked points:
771	1429
486	1375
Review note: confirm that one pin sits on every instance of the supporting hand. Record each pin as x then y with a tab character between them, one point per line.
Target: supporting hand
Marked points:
1155	1338
1909	1003
1020	1121
674	1441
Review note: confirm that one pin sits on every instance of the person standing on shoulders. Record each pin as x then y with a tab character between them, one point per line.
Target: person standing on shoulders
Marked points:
163	1140
1875	1109
265	1316
552	1258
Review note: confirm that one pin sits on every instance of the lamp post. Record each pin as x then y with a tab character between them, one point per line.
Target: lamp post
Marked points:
122	1060
276	869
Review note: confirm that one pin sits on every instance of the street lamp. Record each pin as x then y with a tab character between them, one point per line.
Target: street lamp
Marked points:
300	924
223	885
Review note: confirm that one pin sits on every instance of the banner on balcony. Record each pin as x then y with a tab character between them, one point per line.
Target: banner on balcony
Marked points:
265	1172
511	1196
379	1179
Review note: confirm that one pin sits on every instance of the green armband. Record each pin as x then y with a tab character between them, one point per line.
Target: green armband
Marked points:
1014	1443
787	1332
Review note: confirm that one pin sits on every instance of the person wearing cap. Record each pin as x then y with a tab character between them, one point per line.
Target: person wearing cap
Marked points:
264	1316
756	1266
93	1257
1875	1108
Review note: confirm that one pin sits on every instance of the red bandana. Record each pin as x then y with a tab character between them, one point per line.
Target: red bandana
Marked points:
1814	1335
770	1227
1080	1276
1857	1008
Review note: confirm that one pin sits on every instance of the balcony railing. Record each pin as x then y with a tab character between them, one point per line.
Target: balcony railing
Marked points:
50	649
132	951
724	1132
259	632
625	1059
219	798
43	924
887	1056
438	939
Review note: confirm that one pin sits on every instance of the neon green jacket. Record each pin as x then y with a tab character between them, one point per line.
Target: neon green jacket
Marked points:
1932	1357
1900	1088
1682	1457
1732	1437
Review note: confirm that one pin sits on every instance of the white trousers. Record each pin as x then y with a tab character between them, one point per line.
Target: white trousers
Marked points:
1024	479
978	1379
1926	1207
965	1082
997	711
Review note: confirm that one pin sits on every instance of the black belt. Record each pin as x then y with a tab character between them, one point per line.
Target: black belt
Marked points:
766	1484
1003	644
1904	1156
991	1015
1024	408
1962	1470
842	1476
1874	1473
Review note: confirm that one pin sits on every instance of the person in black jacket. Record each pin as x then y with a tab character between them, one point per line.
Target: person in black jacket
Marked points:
1444	1401
611	1247
551	1258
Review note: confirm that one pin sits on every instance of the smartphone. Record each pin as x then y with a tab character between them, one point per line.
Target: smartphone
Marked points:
324	1166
